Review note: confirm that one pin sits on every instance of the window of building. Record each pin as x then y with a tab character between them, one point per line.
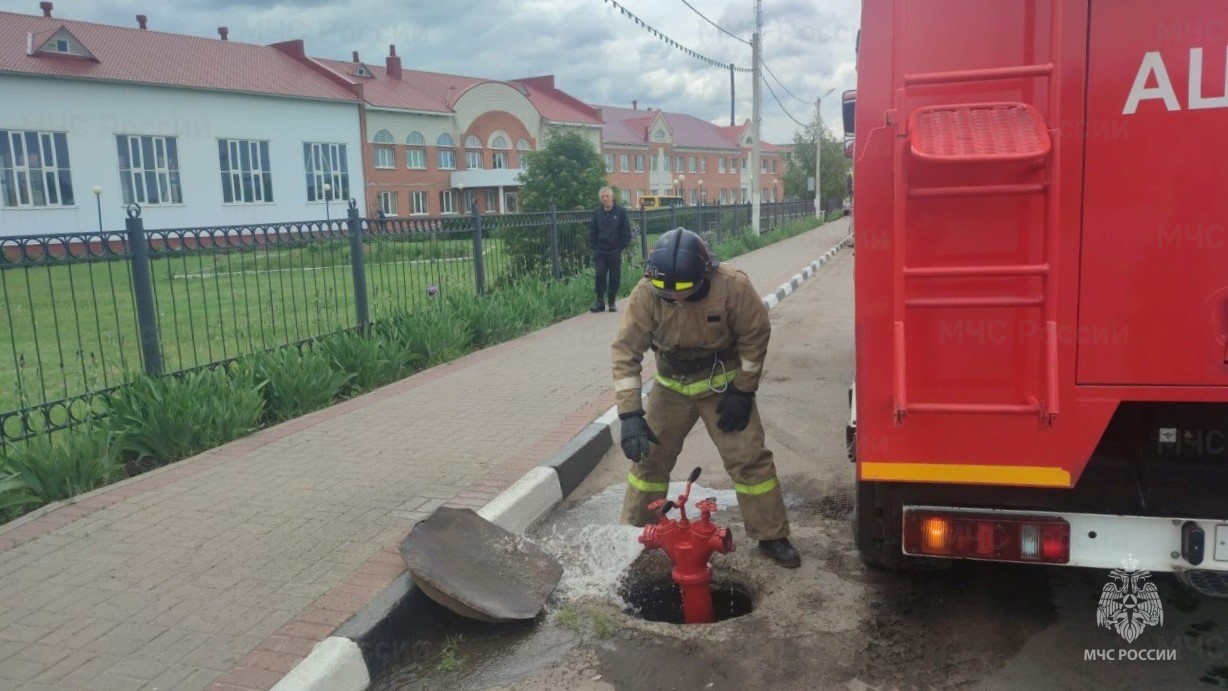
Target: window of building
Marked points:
691	165
724	196
326	164
622	163
388	203
694	197
773	167
473	152
34	169
446	156
149	170
385	156
500	158
703	164
246	175
720	164
639	163
609	163
447	202
492	201
680	164
415	155
418	203
523	147
745	194
468	199
658	135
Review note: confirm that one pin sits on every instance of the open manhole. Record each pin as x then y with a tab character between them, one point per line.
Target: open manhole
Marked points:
648	592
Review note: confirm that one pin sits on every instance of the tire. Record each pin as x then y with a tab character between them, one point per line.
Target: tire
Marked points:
878	512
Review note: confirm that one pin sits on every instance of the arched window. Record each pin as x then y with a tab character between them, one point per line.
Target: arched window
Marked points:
385	156
500	155
523	147
415	156
446	155
473	153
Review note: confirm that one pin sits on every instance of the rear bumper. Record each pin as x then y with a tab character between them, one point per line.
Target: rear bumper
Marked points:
1105	541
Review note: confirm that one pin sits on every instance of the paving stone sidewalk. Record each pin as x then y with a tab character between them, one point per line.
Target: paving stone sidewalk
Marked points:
223	570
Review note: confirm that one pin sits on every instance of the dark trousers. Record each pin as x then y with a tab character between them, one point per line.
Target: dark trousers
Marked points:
609	266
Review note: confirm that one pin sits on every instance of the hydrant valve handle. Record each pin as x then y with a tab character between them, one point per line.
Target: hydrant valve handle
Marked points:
707	506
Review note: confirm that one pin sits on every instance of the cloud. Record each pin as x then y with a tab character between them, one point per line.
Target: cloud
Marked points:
596	54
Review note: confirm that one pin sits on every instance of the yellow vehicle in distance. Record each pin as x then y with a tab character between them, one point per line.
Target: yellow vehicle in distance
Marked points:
660	201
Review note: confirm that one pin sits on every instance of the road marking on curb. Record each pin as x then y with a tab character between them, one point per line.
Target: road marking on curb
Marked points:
334	664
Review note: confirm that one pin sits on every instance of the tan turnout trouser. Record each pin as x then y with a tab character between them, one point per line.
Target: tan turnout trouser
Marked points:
671	415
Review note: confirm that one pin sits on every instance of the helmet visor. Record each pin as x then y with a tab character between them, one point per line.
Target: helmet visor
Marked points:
681	290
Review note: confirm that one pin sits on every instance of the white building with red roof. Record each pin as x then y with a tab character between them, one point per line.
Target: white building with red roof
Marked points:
197	131
654	152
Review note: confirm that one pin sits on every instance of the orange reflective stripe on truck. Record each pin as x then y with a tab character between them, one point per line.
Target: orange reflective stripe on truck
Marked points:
1032	476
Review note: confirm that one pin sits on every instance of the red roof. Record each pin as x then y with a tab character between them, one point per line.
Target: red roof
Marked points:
157	58
438	93
630	126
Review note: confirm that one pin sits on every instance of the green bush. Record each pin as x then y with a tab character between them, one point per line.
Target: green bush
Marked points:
295	384
40	471
365	358
430	335
168	418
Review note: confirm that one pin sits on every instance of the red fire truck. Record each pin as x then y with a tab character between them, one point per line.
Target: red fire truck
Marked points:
1041	278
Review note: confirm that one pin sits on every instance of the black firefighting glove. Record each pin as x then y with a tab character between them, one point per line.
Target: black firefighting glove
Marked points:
734	410
636	435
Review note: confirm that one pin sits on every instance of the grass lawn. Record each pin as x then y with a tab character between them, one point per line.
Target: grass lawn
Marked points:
73	326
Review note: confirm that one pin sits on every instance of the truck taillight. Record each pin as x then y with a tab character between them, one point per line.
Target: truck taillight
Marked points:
969	535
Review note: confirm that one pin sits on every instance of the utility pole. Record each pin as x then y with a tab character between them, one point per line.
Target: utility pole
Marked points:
732	94
818	152
756	51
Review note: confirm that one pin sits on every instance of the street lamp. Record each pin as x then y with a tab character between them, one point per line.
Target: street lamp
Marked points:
97	190
327	198
818	151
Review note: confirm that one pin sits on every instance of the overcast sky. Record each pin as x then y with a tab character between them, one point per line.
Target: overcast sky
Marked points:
596	54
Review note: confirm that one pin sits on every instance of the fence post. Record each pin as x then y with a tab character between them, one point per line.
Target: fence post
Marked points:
479	262
555	269
358	267
644	234
142	288
673	216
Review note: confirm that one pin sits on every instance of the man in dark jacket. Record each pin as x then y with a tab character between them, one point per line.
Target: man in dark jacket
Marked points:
609	233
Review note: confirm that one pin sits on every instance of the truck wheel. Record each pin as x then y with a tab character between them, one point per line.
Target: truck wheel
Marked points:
877	530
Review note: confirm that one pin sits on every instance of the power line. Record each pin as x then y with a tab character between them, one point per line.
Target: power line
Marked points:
782	106
782	84
718	26
671	42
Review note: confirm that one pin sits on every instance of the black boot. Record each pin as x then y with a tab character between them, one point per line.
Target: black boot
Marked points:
781	552
599	307
610	302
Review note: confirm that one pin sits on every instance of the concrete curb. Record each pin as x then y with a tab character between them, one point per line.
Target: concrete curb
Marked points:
378	635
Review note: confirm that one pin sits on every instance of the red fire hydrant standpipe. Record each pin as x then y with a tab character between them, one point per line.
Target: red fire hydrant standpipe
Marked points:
689	547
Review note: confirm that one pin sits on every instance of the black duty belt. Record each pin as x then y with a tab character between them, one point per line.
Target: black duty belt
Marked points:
697	365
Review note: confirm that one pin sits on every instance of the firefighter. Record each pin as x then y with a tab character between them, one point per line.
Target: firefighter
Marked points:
709	330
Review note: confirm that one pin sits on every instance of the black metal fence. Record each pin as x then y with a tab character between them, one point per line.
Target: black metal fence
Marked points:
84	312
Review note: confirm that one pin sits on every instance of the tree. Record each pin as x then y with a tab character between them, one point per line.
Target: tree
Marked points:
801	167
568	171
